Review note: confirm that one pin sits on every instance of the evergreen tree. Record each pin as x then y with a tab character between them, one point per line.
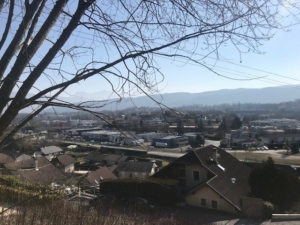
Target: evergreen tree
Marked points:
180	127
273	184
236	123
223	125
200	139
200	126
195	143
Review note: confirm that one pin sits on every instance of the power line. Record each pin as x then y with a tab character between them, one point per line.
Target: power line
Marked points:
245	75
221	60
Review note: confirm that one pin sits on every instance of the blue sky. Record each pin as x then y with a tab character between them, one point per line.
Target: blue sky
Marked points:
280	61
282	57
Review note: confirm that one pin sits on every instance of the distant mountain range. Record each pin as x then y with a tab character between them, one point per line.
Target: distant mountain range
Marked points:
226	96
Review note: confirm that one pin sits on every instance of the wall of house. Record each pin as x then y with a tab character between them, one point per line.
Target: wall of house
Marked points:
208	194
152	170
69	168
189	168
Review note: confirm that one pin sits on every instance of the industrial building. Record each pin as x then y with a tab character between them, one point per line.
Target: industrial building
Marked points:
126	137
278	123
170	141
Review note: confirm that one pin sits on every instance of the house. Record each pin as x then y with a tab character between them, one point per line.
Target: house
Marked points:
94	157
5	158
132	169
12	156
112	159
35	170
105	159
65	163
170	141
23	157
94	178
209	177
50	151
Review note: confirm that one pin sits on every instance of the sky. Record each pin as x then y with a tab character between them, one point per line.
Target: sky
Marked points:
279	65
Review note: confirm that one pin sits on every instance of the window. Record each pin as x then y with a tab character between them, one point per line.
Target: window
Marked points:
203	202
214	204
181	172
196	175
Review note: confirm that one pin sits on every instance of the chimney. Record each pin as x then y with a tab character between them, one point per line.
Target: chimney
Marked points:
36	163
215	155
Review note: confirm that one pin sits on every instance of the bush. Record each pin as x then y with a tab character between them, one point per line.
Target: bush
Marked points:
270	209
157	191
67	212
275	185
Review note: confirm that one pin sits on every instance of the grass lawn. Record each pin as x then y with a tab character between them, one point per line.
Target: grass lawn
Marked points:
279	158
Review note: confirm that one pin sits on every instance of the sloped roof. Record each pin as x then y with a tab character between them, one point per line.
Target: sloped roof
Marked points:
112	157
66	159
46	174
4	158
99	174
113	167
221	179
27	164
51	149
95	157
222	183
10	156
130	166
23	157
123	158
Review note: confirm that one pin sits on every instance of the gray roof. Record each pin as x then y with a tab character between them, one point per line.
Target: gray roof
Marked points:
26	171
129	166
95	177
95	157
220	181
51	149
113	157
23	157
66	160
4	158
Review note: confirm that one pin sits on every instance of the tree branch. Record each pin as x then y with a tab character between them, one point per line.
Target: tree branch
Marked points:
15	105
8	22
16	40
26	54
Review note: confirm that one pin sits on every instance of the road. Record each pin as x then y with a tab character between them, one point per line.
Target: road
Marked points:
212	142
279	156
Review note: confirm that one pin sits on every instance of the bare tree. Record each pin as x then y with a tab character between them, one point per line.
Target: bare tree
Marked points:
71	41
